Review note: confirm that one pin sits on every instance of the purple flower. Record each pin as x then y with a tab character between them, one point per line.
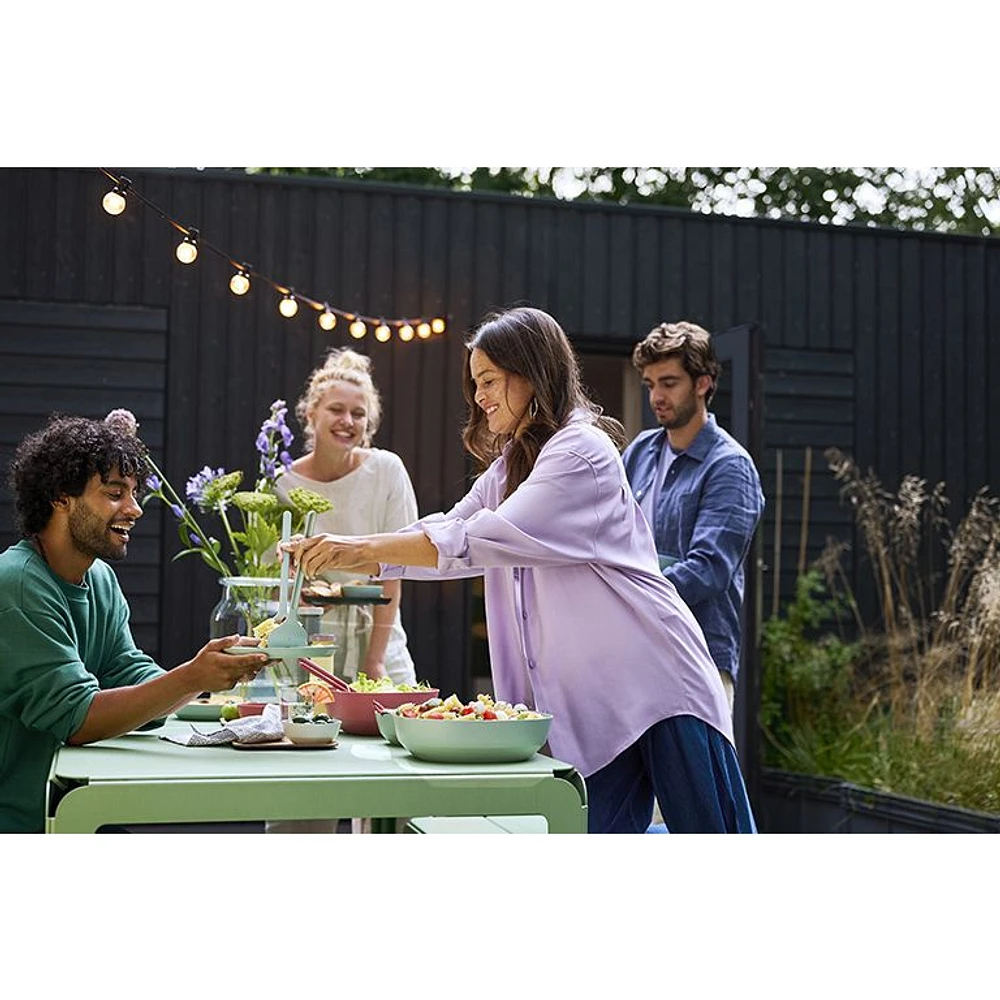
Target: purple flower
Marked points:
197	484
272	430
195	540
153	484
177	512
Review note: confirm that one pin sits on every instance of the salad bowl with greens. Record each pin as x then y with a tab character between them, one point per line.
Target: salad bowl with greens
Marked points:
356	707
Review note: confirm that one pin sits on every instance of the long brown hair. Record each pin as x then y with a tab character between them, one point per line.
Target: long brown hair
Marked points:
528	342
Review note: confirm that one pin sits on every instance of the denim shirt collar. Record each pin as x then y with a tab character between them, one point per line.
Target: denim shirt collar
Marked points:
699	448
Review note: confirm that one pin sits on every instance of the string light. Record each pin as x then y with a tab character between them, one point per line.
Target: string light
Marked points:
187	249
239	283
114	203
326	318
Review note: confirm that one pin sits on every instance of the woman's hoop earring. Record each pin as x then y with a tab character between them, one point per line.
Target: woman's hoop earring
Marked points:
533	407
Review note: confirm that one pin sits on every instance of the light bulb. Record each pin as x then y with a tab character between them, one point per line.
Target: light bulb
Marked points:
114	202
406	332
239	283
382	332
187	250
327	320
358	329
437	325
423	330
288	307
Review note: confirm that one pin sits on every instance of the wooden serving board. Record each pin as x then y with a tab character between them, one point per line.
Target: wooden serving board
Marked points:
284	744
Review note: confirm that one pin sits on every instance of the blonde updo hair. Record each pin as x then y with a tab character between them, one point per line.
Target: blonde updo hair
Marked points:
341	365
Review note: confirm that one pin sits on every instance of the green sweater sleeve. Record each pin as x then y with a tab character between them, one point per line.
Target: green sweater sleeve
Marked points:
45	685
63	645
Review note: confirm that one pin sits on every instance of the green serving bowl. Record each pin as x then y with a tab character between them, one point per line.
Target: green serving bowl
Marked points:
386	722
454	741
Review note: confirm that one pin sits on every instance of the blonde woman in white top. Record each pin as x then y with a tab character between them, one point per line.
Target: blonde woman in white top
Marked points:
370	491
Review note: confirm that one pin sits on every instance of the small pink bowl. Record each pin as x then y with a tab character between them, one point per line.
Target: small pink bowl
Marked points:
250	708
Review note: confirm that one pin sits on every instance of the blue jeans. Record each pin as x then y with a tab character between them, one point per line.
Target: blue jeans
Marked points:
691	769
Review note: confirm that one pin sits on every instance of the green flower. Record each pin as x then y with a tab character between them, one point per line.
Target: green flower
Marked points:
266	504
304	500
219	491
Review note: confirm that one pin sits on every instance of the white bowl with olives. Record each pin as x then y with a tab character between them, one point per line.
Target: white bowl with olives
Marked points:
306	728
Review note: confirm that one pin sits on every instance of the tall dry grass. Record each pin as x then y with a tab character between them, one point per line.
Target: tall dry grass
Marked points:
935	652
905	697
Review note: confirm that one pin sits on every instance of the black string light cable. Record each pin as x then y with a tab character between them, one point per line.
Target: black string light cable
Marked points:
192	242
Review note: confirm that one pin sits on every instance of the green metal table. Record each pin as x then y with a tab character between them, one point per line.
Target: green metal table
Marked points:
141	778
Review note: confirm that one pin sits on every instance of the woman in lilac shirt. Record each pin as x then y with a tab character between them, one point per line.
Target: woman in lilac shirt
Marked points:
581	623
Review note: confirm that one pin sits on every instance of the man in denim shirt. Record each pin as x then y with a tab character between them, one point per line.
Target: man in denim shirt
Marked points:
697	486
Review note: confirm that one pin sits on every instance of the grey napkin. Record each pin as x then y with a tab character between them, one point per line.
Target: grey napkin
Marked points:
263	728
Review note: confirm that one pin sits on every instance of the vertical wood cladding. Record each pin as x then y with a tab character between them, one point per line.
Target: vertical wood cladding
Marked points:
880	342
87	360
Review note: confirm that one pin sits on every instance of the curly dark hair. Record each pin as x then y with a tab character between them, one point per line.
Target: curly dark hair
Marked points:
529	342
60	459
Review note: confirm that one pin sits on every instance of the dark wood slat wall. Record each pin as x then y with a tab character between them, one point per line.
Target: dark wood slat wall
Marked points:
877	341
991	311
977	388
672	277
886	355
56	358
955	344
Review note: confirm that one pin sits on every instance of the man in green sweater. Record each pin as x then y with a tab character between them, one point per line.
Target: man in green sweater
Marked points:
70	671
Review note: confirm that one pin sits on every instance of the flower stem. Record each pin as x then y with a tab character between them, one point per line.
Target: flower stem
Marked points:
167	491
229	531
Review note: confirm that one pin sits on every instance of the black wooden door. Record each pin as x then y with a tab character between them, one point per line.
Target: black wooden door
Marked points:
738	406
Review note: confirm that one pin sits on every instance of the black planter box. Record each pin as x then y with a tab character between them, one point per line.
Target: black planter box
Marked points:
802	803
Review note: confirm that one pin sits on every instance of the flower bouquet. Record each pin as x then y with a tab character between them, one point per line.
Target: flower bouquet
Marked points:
245	556
252	533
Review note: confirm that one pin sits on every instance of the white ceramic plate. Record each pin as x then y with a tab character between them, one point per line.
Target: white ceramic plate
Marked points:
283	652
355	591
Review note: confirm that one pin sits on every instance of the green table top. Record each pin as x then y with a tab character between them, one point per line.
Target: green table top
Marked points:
147	757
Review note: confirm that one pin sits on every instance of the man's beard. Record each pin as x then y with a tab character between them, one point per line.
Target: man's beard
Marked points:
682	415
89	535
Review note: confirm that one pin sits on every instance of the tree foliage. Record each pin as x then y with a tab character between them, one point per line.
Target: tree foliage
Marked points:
943	199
